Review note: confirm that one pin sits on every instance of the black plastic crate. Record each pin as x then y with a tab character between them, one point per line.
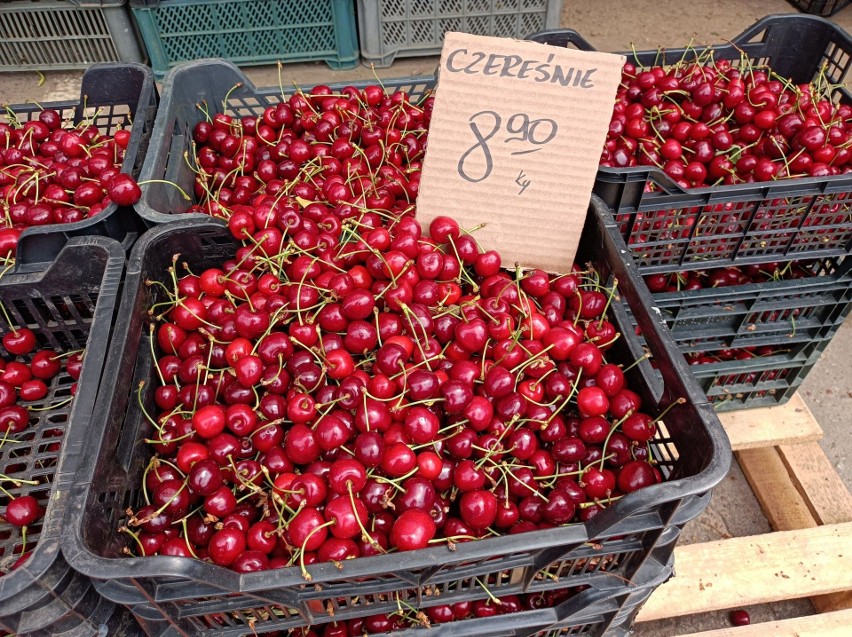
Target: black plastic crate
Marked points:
785	324
222	88
670	229
202	599
822	8
69	305
112	96
593	612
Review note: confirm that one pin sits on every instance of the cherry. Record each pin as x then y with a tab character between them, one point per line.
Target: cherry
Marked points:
740	618
421	425
19	342
307	529
250	561
209	421
592	401
478	509
13	419
172	496
23	511
205	477
123	190
226	546
347	475
635	475
221	502
598	483
412	530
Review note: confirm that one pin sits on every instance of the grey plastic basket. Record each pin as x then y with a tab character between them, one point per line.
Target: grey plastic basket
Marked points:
65	34
388	29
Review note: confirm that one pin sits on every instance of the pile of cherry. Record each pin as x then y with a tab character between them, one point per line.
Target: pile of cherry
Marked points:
707	122
52	172
26	376
351	385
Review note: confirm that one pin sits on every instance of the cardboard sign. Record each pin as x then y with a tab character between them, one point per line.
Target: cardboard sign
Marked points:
514	142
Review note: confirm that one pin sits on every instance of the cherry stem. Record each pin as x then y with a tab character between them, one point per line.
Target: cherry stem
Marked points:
164	181
679	401
305	573
644	357
364	534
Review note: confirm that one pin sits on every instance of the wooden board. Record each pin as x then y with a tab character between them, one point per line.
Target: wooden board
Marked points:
798	488
759	569
838	624
782	504
792	422
813	475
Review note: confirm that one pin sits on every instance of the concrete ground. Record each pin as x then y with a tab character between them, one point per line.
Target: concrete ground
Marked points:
615	25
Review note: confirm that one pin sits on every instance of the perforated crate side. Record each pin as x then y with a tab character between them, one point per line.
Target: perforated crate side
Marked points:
54	35
592	612
195	597
210	82
759	382
69	306
783	312
247	32
388	29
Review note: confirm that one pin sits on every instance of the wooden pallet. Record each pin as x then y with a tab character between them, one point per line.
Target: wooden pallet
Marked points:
809	554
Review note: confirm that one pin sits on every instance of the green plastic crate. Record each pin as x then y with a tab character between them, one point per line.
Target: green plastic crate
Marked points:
247	32
54	35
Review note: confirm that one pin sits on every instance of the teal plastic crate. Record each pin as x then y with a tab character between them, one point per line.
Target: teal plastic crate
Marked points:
247	32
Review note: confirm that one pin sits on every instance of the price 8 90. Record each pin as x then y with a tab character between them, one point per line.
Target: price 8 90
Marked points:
477	162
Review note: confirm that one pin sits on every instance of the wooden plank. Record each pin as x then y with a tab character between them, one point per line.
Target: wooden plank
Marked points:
791	422
798	488
825	625
769	479
816	479
759	569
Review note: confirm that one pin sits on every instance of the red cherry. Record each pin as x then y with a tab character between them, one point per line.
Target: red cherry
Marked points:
412	530
23	511
226	546
478	509
19	342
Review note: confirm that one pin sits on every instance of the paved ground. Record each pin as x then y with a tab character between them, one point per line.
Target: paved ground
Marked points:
615	25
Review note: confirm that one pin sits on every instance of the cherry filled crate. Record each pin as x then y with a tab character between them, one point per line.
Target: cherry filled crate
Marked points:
753	345
219	87
618	558
112	96
69	306
669	228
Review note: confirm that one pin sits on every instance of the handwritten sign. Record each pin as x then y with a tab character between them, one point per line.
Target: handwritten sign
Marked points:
517	130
